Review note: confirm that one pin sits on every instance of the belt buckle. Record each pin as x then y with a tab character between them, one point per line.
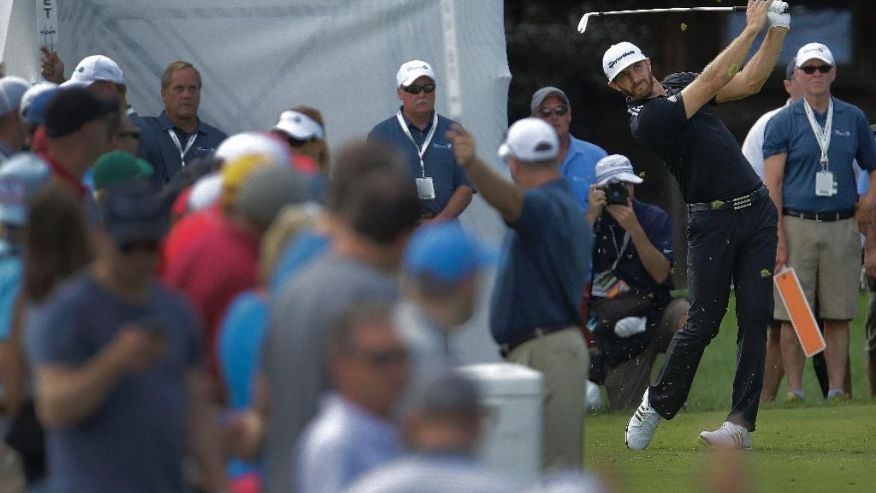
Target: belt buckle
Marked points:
716	204
741	202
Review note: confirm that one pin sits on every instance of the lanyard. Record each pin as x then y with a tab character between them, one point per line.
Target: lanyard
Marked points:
179	147
822	135
420	151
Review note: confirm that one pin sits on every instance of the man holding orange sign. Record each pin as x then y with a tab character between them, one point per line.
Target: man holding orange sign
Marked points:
809	148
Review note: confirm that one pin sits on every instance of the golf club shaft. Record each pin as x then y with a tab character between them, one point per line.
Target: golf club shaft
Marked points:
582	25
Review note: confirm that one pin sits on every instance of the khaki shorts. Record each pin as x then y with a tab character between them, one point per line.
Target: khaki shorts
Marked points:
827	259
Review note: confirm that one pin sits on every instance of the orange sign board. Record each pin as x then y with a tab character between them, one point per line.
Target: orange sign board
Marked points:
802	319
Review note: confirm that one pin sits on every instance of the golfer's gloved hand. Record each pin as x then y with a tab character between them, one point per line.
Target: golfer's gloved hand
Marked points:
779	14
630	326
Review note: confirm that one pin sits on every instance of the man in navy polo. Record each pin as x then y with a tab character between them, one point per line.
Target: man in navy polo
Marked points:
418	131
809	148
577	157
534	314
180	136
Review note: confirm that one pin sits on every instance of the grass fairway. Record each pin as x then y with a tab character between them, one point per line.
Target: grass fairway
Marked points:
815	447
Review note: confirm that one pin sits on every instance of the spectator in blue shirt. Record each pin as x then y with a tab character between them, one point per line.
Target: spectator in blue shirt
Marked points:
809	148
354	431
418	132
535	317
180	136
577	158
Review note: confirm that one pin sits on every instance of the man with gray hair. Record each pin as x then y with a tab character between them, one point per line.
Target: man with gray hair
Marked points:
443	425
535	315
577	158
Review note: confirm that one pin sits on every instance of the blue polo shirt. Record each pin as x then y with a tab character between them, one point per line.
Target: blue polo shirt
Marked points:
439	159
163	153
544	267
789	132
579	167
10	286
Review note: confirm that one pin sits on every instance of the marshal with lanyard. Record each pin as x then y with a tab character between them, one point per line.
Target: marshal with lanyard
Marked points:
825	182
425	186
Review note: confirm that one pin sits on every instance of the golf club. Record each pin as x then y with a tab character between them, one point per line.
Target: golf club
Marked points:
582	24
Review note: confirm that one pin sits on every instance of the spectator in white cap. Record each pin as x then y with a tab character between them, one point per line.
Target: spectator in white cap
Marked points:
12	130
631	312
535	315
577	158
33	106
103	77
304	129
418	132
815	141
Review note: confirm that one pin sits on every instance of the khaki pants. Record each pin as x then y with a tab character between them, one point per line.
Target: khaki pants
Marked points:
626	382
564	362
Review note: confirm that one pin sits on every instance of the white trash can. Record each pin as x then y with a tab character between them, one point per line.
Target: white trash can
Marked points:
512	395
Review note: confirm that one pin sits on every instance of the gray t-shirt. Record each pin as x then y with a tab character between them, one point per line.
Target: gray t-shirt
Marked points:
134	441
293	359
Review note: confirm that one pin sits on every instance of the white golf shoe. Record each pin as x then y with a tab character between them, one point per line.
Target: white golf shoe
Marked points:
728	436
641	427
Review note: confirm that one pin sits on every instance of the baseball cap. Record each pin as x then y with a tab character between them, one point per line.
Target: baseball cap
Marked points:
118	167
253	143
299	126
814	50
132	212
205	192
95	68
540	95
615	167
267	190
20	177
789	70
411	71
235	173
11	90
530	140
620	56
72	108
444	252
34	102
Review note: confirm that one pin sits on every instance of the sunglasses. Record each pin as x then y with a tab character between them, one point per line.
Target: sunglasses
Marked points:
133	135
416	89
558	111
147	246
810	69
382	359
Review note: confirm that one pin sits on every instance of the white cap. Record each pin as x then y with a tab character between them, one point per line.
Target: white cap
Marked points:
31	94
530	140
299	126
11	91
619	57
814	50
205	192
413	70
253	143
615	167
95	68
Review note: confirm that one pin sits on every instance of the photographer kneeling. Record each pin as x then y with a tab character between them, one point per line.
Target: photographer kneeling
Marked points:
632	315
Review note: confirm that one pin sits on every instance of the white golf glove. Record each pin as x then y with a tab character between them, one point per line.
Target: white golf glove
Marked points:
779	14
630	326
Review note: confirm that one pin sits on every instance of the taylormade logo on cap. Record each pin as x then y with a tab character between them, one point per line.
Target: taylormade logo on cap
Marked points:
620	56
413	70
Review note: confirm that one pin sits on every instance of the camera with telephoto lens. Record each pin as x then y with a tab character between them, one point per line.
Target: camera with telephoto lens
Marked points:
616	193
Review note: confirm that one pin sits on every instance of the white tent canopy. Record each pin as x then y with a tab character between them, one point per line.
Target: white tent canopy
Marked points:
259	57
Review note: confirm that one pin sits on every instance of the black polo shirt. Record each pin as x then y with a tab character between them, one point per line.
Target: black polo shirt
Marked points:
700	152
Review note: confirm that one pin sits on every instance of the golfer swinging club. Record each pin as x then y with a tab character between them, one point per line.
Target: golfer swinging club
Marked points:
732	222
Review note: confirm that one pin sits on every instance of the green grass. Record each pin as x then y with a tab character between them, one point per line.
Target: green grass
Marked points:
815	447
